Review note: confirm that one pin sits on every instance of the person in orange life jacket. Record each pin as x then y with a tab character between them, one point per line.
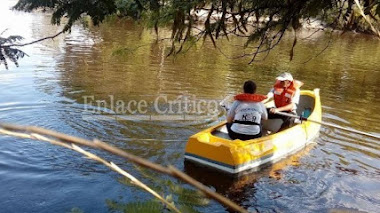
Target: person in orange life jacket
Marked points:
245	115
286	95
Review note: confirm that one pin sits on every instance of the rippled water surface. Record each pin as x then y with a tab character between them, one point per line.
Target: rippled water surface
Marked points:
340	171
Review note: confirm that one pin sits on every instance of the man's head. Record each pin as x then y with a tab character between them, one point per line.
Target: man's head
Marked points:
285	79
249	87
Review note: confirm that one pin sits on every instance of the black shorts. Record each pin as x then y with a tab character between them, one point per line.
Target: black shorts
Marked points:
233	135
287	121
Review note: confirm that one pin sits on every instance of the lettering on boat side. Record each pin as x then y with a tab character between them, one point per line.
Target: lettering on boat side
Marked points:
161	107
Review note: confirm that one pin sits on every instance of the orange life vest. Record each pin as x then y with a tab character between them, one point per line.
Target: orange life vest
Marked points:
250	97
282	96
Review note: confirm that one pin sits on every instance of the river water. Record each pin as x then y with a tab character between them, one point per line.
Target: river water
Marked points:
340	171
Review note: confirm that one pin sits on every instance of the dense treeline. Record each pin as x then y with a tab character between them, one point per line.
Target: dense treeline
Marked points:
262	23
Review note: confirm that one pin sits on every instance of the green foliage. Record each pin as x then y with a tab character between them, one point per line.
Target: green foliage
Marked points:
136	207
128	8
73	9
186	199
262	23
8	52
76	210
186	196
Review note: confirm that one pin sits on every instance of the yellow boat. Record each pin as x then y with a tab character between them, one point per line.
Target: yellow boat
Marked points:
213	148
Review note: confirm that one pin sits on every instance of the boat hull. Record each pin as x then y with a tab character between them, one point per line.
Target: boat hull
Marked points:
235	156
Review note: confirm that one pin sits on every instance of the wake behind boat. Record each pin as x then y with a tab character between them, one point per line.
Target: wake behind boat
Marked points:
213	147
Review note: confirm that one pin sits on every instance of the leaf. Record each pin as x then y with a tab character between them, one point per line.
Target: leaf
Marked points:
9	53
149	206
190	196
10	39
76	210
188	209
14	38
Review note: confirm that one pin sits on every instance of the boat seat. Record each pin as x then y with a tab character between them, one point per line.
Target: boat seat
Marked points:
306	103
221	134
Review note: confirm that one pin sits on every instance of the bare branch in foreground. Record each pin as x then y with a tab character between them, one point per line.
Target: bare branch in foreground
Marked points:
126	174
94	157
37	133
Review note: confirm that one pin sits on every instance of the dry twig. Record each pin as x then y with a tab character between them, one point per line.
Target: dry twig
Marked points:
94	157
64	140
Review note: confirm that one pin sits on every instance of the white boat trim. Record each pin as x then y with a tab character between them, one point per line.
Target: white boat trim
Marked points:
250	165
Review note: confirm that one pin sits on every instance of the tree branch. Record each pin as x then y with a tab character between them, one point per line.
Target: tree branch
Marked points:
97	144
33	42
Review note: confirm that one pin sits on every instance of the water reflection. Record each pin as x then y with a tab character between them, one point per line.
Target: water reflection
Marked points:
240	187
349	90
341	171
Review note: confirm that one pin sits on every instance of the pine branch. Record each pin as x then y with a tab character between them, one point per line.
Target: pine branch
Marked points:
8	52
33	42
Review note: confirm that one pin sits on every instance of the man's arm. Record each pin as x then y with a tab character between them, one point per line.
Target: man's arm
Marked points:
264	116
231	112
269	96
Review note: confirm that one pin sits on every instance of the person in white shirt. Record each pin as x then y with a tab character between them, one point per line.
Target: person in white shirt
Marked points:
245	115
